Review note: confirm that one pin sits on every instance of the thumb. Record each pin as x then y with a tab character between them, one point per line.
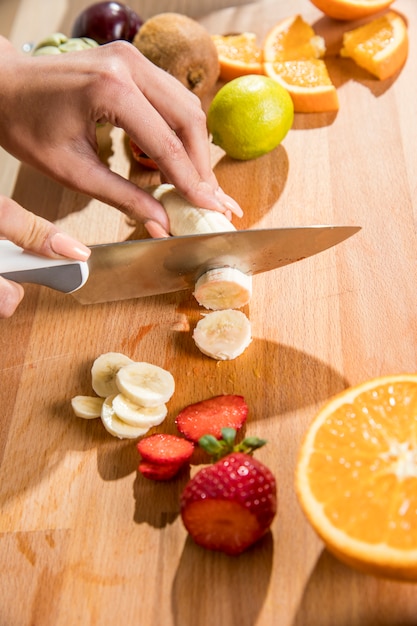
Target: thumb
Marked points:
34	233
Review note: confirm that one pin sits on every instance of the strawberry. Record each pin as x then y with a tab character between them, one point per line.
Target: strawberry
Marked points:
211	416
163	455
229	505
141	157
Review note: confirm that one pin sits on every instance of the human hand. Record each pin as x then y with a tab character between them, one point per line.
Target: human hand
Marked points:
50	107
34	233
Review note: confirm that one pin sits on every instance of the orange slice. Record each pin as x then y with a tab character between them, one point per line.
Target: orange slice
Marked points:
308	84
292	56
356	476
351	9
238	55
380	46
293	39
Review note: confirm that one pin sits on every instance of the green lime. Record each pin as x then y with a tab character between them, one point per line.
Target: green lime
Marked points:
250	116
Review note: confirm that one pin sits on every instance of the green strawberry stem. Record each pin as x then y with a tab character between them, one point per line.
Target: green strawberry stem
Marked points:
218	448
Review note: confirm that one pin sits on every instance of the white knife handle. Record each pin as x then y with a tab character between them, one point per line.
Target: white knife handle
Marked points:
21	266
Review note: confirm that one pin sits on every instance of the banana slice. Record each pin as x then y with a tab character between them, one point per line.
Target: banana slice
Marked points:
223	288
186	219
137	415
104	370
145	384
223	335
115	426
88	407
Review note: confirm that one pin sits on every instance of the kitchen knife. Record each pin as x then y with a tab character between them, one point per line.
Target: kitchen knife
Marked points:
147	267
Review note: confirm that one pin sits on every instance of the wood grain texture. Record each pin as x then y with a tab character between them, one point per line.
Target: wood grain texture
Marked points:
86	540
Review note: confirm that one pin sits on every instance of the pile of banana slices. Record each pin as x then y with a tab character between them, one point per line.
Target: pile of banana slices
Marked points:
131	395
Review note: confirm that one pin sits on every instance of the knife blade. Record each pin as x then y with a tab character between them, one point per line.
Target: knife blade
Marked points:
147	267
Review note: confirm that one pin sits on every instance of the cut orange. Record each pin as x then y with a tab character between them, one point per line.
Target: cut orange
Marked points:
292	56
356	476
351	9
293	39
380	46
238	55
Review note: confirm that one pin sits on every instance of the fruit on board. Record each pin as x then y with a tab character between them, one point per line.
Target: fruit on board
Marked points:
223	335
138	415
186	219
292	56
117	427
380	46
210	416
58	42
107	21
129	403
356	476
223	288
181	46
88	407
104	370
140	156
145	384
351	9
239	54
163	455
250	116
229	505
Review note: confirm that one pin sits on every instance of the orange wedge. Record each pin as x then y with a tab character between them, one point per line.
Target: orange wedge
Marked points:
356	476
238	55
380	46
351	9
292	56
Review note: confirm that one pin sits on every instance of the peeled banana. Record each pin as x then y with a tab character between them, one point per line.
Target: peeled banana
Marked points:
223	289
186	219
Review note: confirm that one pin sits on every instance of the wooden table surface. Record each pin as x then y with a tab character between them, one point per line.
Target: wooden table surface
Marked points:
86	540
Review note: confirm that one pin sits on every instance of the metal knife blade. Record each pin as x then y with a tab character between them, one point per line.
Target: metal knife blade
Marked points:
146	267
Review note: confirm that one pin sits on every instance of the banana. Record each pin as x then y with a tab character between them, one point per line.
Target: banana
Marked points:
104	370
88	407
145	384
223	335
223	288
136	415
115	426
186	219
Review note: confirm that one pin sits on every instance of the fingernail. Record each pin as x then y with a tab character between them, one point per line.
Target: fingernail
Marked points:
63	244
228	202
156	230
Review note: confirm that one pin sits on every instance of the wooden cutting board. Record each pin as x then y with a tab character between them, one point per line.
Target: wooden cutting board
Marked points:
86	540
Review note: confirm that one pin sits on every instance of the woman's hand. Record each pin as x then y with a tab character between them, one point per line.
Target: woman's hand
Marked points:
50	107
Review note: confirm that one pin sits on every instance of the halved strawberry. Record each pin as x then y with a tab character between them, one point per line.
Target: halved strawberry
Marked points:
230	505
163	455
155	471
211	416
165	449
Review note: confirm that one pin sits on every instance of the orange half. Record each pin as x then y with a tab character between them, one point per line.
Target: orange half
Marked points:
380	46
238	54
356	476
351	9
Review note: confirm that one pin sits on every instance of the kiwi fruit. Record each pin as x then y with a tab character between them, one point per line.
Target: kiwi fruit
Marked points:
183	48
